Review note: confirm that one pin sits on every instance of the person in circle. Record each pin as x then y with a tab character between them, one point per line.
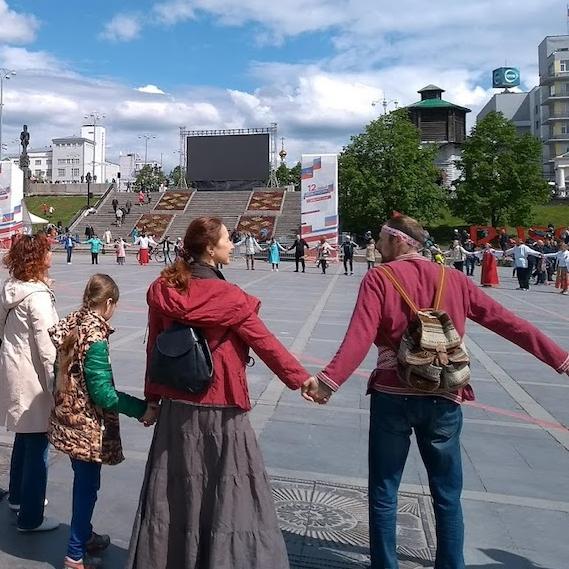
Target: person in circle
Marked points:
206	500
27	357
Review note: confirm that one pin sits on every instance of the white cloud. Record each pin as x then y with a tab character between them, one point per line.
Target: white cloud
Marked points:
284	18
22	59
376	50
122	27
15	27
174	11
151	90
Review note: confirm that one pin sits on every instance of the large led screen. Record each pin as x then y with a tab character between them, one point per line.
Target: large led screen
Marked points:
232	157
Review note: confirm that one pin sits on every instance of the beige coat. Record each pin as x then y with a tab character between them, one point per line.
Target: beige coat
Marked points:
27	355
370	251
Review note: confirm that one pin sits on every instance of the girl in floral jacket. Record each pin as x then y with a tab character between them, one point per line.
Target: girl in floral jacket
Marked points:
85	421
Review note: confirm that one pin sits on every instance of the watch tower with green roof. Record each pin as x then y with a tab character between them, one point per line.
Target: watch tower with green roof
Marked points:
438	120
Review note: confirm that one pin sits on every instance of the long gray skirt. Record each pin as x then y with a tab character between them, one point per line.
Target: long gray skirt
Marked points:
206	500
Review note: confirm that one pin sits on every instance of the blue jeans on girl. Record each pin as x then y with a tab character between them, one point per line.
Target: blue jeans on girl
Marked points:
86	484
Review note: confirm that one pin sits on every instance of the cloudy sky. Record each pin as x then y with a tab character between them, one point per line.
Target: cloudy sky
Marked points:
313	66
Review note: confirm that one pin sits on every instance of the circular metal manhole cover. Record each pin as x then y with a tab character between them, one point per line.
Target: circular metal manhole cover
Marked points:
321	514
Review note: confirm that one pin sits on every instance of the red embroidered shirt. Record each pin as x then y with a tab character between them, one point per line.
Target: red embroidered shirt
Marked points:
381	317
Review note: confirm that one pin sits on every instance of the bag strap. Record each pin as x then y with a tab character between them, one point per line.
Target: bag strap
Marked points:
440	289
390	274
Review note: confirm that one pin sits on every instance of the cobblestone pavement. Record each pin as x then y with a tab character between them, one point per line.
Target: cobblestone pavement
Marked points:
514	443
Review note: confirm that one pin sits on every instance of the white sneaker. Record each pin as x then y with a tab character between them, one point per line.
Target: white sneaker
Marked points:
16	507
48	524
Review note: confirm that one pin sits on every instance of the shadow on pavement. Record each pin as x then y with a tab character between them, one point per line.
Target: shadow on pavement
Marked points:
506	560
43	548
308	553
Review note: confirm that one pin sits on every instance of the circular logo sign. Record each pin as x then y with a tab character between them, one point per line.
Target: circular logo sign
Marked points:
511	76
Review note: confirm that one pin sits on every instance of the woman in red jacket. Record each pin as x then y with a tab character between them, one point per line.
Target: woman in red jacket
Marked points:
206	501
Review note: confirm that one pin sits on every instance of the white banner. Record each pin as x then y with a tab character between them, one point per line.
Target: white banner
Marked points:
319	189
11	196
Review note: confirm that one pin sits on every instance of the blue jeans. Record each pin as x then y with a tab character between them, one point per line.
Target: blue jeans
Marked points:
437	423
28	477
86	484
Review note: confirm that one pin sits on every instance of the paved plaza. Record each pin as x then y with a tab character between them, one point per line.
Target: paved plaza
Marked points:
515	440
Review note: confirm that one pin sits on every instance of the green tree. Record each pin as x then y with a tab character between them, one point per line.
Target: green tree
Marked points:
287	176
501	175
149	178
175	177
386	169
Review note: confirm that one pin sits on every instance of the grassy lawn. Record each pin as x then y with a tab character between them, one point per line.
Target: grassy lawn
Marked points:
556	213
65	206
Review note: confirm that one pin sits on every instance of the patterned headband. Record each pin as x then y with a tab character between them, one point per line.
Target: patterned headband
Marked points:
403	236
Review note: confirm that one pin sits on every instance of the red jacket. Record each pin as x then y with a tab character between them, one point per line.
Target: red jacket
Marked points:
229	319
381	317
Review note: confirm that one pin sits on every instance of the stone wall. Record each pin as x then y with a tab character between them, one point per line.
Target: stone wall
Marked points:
67	189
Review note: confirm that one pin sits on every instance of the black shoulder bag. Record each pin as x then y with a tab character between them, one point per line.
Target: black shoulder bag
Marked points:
181	359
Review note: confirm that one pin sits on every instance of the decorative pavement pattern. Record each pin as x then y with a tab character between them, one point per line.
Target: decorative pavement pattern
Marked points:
260	226
326	525
154	223
176	201
266	201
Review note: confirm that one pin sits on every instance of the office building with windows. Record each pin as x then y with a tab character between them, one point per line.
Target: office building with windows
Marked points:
130	164
544	110
70	158
554	84
40	163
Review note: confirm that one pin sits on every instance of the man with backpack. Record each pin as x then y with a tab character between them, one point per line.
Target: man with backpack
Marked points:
421	379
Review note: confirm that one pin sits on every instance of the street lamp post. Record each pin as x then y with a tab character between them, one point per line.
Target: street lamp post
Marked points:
385	103
4	74
146	138
94	116
88	180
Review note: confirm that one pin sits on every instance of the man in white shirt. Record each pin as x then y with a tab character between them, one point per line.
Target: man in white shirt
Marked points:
521	252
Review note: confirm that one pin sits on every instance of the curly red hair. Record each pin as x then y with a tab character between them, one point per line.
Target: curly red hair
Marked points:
27	258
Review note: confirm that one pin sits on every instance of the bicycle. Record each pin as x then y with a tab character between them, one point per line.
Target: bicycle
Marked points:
158	254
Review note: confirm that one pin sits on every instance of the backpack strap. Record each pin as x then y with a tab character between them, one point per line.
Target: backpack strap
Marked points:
440	289
390	274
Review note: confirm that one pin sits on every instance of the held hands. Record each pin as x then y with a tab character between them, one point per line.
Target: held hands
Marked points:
150	415
316	392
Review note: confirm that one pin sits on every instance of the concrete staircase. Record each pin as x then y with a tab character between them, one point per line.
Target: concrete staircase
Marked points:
229	206
288	223
105	216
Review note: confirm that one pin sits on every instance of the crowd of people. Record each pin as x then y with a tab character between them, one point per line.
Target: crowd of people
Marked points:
205	499
541	261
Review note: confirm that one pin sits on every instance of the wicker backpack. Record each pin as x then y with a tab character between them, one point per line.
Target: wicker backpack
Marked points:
432	357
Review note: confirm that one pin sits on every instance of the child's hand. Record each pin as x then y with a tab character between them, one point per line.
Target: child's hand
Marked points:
151	415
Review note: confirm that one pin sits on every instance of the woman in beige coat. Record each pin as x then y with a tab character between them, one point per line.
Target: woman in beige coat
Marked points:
27	356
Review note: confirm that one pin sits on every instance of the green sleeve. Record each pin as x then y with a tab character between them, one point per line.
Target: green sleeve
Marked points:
99	380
